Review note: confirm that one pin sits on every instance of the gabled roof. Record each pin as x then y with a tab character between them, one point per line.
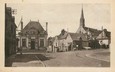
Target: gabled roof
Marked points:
93	31
107	33
52	39
63	35
104	35
76	36
34	24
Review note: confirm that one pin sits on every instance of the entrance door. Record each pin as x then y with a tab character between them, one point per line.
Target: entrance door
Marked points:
23	42
32	44
41	42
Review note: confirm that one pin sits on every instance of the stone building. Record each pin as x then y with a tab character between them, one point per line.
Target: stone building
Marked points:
67	41
63	46
10	32
93	34
104	38
33	36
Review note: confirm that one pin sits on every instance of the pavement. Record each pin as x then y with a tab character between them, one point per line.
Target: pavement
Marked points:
81	58
76	59
99	54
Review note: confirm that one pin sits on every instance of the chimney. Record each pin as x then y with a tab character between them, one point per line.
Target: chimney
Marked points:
21	24
47	27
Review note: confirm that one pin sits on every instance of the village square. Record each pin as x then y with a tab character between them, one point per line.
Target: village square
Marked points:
32	46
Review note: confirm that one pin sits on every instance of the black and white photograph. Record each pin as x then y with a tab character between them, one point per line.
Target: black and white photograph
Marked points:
57	35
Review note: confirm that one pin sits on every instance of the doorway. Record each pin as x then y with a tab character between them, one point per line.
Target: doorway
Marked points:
32	43
23	42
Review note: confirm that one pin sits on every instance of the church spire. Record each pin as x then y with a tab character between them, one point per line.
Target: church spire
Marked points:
82	14
82	19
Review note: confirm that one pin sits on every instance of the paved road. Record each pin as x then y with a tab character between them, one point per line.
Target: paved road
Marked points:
63	59
73	59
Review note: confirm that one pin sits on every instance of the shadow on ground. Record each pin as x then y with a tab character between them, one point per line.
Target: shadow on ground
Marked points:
26	58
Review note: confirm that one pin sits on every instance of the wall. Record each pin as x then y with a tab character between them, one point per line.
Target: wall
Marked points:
105	41
85	43
10	33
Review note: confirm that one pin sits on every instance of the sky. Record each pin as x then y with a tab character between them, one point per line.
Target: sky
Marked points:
63	16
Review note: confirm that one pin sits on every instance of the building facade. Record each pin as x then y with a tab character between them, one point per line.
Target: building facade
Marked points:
33	36
67	41
104	39
79	41
10	32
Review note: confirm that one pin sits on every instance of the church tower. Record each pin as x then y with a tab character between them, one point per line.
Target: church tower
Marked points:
82	23
82	19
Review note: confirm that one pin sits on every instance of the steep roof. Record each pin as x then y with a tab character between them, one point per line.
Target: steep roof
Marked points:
104	35
93	31
34	24
76	36
63	35
107	33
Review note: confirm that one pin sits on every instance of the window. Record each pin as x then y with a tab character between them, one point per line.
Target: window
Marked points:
41	42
